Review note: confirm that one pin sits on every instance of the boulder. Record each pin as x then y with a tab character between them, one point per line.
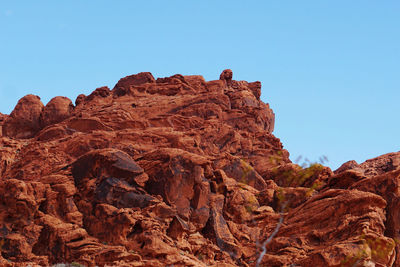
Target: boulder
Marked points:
100	92
123	85
24	120
107	163
226	76
79	99
58	109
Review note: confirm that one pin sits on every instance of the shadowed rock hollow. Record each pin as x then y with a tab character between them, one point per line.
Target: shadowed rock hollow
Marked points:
185	172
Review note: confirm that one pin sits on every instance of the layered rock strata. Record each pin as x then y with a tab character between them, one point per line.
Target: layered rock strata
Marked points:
185	172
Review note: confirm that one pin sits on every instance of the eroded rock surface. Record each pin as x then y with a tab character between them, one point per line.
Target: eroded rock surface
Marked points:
180	171
58	109
3	118
24	121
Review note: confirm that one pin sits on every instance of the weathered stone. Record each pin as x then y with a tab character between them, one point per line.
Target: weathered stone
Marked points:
226	76
180	171
243	172
124	84
106	163
87	125
218	230
3	118
99	92
79	99
58	109
175	175
24	121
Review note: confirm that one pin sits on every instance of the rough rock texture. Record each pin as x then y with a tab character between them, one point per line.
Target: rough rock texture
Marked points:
58	109
3	118
180	171
24	121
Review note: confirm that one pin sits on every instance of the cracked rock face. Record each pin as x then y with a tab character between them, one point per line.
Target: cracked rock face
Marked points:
181	171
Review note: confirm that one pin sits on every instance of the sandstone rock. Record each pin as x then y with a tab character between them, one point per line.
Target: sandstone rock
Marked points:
87	125
79	99
178	228
241	205
294	175
177	78
99	92
242	172
196	81
16	247
345	179
255	87
121	195
218	230
351	164
226	76
312	228
381	164
106	163
387	186
24	120
177	176
376	166
52	132
216	86
180	171
3	118
124	84
58	109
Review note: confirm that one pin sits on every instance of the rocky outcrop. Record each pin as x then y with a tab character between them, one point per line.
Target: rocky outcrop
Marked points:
375	166
124	85
3	118
24	121
58	109
185	172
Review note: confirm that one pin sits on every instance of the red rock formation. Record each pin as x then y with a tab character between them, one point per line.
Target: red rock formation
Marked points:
185	172
24	122
3	117
58	109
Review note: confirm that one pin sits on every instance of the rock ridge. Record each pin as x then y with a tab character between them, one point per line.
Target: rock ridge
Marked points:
180	171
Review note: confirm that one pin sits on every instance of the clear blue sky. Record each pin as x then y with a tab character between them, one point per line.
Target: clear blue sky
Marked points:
329	69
